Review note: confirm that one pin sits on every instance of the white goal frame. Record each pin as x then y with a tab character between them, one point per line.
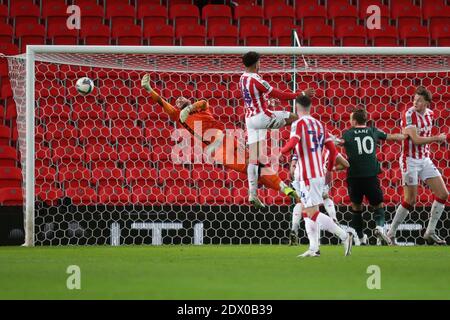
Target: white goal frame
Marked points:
32	50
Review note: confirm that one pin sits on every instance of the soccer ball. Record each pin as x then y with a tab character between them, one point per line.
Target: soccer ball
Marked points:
84	86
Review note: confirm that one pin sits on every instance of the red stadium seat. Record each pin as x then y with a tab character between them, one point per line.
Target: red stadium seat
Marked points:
107	177
135	155
95	34
6	33
436	13
45	177
191	35
43	156
311	13
92	14
384	37
8	156
255	35
9	49
215	196
405	13
50	196
4	13
236	179
208	176
181	195
92	135
181	1
159	35
127	34
276	198
24	12
82	196
126	134
61	134
318	35
85	114
216	14
74	177
11	113
11	196
10	177
247	2
240	195
441	35
184	14
147	195
351	35
124	112
54	113
101	156
414	36
120	14
30	34
114	195
159	137
248	15
54	12
374	91
141	176
171	175
279	14
384	11
282	34
223	35
58	34
152	15
342	13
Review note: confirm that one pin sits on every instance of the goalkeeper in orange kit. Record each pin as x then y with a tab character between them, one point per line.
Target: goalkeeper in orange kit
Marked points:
223	146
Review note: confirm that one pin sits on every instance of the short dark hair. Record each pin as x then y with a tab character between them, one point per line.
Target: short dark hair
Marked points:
250	58
422	91
360	116
303	101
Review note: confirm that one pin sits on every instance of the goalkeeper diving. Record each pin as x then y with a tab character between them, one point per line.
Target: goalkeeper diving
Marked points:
223	147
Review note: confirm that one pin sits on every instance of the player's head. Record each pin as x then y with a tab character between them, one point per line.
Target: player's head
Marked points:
422	99
303	103
358	117
251	60
182	103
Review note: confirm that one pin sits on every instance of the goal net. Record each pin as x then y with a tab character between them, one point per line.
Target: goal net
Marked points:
109	167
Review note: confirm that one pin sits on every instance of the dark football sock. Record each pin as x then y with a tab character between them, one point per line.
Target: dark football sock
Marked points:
357	223
379	216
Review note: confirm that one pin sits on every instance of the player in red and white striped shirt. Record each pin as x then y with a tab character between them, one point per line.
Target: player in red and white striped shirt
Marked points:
309	137
340	164
415	163
258	118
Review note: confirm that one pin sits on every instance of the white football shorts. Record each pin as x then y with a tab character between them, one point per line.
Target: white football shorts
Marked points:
258	124
418	168
310	194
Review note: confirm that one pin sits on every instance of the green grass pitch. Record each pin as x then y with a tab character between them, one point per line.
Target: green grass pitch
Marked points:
224	272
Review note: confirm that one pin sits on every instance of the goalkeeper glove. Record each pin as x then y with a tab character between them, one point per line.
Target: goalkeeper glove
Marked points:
185	113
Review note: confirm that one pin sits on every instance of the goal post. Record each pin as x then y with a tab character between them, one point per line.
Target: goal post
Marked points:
343	76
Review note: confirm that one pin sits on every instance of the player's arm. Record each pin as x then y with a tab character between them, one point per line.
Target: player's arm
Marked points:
265	88
167	107
200	105
396	137
290	145
292	165
418	140
329	144
341	163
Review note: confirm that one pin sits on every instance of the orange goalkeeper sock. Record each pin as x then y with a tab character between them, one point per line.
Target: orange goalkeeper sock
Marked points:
272	181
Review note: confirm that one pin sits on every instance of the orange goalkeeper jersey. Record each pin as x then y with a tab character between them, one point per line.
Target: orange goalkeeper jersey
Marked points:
200	123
